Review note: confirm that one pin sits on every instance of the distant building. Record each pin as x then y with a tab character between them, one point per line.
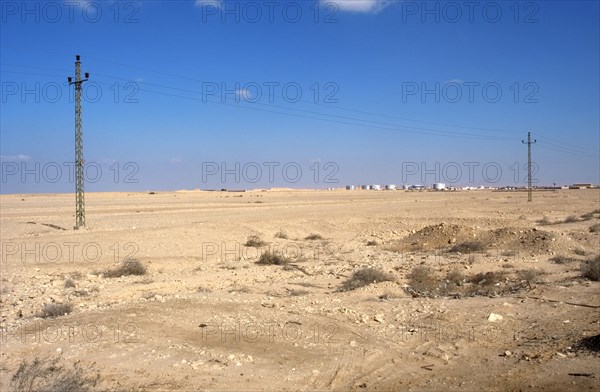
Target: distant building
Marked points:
581	186
350	187
376	187
390	187
439	186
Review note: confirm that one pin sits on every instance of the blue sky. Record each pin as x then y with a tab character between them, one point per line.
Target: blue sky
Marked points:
225	94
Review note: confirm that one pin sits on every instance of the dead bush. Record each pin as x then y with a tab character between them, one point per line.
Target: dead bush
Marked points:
595	228
365	277
561	259
50	375
468	247
371	243
591	269
579	251
544	221
255	241
271	258
571	219
127	267
281	234
456	277
55	310
313	236
530	275
70	283
422	280
488	278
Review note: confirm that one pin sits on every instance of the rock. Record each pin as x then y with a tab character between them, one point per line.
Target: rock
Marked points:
379	318
493	317
507	353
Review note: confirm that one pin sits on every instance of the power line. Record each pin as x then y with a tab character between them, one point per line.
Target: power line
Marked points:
529	143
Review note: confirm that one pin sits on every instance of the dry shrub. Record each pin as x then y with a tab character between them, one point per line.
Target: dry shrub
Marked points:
571	219
281	234
591	269
255	241
488	278
595	228
544	221
422	280
313	237
50	375
561	259
127	267
456	277
365	277
468	247
591	214
530	275
69	283
371	243
55	310
580	251
271	258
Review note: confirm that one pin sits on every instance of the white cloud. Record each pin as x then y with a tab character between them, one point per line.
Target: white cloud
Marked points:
215	3
366	6
244	93
18	157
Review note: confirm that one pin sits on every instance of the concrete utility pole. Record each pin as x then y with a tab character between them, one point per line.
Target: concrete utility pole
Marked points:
79	162
529	143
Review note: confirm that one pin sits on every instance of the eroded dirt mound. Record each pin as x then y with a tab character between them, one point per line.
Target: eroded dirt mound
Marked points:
449	236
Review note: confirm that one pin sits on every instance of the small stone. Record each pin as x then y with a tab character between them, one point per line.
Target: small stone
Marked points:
507	353
353	343
493	317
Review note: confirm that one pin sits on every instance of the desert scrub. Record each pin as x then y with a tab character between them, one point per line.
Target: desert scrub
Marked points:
127	267
468	247
365	277
595	228
571	219
561	259
456	277
591	269
313	236
281	234
422	281
55	310
271	258
50	375
255	241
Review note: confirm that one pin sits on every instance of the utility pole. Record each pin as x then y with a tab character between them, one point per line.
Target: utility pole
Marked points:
79	162
529	143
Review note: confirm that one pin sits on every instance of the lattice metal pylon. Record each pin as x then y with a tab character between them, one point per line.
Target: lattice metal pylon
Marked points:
79	161
529	187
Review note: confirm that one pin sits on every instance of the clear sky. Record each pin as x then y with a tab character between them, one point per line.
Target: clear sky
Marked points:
227	94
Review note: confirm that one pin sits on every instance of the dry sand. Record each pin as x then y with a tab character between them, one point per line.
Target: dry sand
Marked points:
205	316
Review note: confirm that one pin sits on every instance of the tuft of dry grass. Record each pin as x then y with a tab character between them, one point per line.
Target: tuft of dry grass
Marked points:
595	228
55	310
372	243
591	269
50	375
313	236
127	267
270	258
255	241
580	251
468	247
364	277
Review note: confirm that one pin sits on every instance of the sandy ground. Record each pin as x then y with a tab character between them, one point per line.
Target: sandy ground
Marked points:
206	316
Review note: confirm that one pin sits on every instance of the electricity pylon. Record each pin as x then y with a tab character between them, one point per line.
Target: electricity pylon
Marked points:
529	143
79	162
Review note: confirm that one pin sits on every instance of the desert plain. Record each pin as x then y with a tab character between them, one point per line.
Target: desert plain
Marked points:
356	290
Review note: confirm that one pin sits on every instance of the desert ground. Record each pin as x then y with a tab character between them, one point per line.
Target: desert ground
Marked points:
356	290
